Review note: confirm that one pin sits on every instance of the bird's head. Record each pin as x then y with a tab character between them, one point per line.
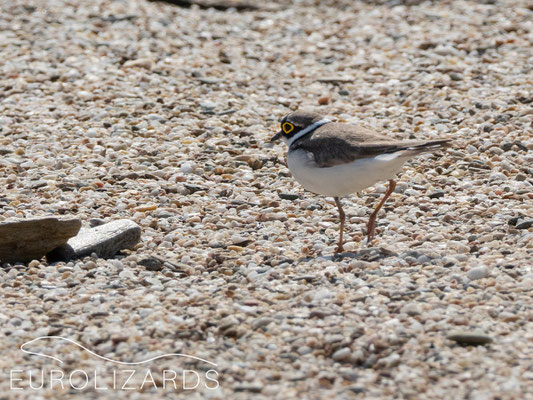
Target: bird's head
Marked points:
295	123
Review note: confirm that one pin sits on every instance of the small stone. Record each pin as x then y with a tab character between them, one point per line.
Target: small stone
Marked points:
152	263
477	273
145	63
411	309
336	79
147	207
37	184
471	149
288	196
96	221
342	354
506	146
524	223
437	195
249	387
127	274
513	221
356	389
194	188
473	338
209	81
323	100
303	350
322	294
260	322
186	168
455	76
344	92
207	106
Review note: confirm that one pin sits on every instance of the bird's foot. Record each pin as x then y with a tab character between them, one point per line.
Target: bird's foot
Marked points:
368	241
339	249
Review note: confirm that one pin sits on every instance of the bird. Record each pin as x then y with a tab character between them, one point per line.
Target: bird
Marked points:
339	159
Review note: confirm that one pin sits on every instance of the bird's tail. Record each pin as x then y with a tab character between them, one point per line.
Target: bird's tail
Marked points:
430	145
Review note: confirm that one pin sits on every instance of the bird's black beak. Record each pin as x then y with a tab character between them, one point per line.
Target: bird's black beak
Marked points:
276	136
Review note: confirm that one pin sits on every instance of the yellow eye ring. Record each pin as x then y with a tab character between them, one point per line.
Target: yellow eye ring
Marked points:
287	127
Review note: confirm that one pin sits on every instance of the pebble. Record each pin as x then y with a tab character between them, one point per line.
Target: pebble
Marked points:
524	223
437	194
248	387
342	354
322	294
288	196
151	263
127	274
477	273
411	309
303	350
139	63
473	338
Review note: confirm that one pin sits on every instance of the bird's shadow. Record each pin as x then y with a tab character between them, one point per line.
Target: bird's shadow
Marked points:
368	254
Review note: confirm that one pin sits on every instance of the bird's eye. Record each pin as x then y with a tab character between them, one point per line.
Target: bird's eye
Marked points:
287	127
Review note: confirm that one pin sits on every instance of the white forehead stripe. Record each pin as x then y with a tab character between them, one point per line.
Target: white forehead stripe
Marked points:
310	128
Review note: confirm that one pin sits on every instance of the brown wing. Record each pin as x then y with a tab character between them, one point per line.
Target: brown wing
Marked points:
334	144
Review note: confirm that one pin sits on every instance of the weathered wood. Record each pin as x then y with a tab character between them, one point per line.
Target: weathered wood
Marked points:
23	240
105	240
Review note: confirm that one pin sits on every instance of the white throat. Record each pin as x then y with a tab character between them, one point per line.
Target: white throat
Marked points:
305	131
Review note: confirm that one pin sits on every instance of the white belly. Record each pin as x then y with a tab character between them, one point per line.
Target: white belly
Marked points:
344	179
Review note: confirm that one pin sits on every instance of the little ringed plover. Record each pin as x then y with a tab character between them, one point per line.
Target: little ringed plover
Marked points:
335	159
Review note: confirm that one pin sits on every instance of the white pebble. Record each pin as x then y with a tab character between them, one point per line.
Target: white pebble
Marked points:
477	273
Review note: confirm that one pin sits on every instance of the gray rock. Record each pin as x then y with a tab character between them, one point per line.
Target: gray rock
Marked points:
437	195
288	196
303	350
524	223
194	188
473	338
209	81
260	322
105	240
152	263
24	240
477	273
342	354
37	184
411	309
249	387
336	79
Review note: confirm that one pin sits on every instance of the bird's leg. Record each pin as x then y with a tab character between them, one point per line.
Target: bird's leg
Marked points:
371	226
341	230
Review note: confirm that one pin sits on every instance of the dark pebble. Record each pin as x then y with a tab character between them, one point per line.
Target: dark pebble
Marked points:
472	338
194	188
288	196
506	146
513	221
524	224
436	195
456	77
152	264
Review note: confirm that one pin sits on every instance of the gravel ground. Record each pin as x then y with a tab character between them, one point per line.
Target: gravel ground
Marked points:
160	114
